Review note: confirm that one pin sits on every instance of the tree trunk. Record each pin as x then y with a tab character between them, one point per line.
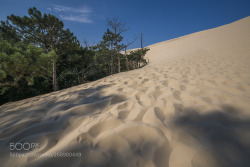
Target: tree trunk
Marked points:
117	54
126	58
111	58
55	84
118	58
52	45
141	40
111	65
141	50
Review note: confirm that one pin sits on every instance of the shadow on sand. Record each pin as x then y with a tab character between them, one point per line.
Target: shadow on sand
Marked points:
224	133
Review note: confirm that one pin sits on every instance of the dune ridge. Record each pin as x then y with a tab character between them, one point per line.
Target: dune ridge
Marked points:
188	107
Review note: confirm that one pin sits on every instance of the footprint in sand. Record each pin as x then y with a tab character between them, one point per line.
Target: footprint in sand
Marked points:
143	99
177	95
101	127
141	114
123	114
185	81
183	87
122	106
118	99
240	87
145	80
178	108
159	114
156	94
207	99
157	88
84	138
165	83
120	89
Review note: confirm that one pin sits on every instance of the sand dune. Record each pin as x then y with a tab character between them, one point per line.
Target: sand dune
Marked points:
188	107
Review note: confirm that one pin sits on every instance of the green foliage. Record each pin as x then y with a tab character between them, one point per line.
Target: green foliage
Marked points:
3	74
137	58
8	32
36	52
45	31
21	61
75	68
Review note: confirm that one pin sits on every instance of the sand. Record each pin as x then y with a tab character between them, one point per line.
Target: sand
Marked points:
189	107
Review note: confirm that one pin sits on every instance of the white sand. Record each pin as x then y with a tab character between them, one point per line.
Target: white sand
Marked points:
188	107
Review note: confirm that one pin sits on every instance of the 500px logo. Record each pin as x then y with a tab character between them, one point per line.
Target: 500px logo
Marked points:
23	146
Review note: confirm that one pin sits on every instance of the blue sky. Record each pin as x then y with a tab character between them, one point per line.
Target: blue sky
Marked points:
158	20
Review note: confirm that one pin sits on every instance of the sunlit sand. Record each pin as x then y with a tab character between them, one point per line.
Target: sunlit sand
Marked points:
189	107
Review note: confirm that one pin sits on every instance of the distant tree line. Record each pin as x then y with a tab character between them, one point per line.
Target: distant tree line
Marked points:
38	56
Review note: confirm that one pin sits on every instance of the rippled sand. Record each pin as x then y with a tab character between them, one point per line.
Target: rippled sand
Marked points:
189	107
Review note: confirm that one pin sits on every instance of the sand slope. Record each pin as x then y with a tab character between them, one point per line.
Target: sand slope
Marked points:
188	107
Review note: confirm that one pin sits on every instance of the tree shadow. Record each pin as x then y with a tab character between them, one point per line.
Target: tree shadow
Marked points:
23	120
225	134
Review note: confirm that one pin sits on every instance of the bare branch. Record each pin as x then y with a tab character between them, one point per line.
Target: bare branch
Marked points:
118	26
86	43
130	43
142	41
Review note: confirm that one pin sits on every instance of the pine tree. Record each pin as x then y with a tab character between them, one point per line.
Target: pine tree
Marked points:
45	31
20	61
117	28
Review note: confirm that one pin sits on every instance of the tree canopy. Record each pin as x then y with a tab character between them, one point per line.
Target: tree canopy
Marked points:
38	55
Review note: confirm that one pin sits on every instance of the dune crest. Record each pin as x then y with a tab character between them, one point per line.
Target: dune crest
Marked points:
188	107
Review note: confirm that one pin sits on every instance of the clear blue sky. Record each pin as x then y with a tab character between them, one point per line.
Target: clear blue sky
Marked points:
158	20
